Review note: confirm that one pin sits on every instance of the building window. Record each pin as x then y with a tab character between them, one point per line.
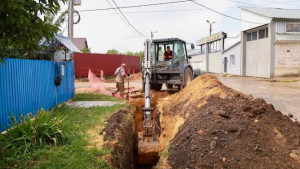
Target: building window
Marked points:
203	49
254	35
215	46
248	36
232	60
292	27
263	33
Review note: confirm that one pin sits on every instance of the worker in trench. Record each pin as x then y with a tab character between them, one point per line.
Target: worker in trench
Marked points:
120	76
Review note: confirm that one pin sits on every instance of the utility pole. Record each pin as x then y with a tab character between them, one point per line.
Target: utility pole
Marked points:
210	26
70	19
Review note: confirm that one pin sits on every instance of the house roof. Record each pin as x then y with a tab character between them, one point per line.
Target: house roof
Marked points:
67	43
275	12
80	42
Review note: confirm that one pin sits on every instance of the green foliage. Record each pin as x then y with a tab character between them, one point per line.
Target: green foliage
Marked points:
86	50
29	134
24	24
140	54
74	154
112	51
57	22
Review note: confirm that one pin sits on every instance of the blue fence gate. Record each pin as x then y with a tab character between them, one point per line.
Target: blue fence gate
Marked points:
29	85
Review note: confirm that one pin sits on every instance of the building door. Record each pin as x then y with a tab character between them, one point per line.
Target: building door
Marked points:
258	55
225	64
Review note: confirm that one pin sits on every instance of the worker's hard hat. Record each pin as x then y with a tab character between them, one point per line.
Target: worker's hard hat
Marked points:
123	64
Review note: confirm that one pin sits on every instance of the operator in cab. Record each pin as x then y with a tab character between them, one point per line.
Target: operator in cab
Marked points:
168	54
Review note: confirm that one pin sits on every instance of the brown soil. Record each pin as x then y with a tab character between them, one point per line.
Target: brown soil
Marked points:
119	134
208	125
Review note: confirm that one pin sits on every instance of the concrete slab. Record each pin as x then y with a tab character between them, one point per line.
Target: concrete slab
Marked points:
86	104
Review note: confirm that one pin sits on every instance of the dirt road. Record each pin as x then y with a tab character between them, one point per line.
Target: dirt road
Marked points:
283	94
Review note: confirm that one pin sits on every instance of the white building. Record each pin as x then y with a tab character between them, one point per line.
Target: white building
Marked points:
209	59
231	59
270	42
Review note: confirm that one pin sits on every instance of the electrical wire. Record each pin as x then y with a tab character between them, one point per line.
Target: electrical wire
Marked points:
243	3
128	22
234	37
135	6
263	5
117	13
222	13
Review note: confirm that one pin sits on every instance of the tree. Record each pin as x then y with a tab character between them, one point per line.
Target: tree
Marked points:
86	50
140	54
24	24
129	53
112	51
59	21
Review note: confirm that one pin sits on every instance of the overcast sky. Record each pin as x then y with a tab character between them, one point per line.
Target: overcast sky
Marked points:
105	29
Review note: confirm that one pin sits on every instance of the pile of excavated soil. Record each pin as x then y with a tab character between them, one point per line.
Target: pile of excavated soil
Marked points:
209	125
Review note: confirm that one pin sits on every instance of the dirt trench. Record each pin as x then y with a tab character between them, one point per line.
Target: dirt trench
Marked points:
208	125
148	153
123	133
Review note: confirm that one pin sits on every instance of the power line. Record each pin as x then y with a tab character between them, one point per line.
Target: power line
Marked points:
262	5
243	3
222	13
118	13
174	10
128	20
234	37
135	6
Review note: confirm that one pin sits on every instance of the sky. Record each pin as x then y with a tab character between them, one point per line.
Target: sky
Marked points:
106	30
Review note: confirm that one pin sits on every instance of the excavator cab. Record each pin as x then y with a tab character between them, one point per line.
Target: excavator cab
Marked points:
175	71
159	49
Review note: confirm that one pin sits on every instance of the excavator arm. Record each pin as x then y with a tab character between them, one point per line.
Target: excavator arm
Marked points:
147	124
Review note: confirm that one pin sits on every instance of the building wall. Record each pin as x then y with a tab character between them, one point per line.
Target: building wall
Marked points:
233	69
106	62
199	62
257	60
215	62
287	59
26	86
252	17
279	27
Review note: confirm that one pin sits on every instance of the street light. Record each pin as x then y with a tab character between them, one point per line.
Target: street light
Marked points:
152	34
210	26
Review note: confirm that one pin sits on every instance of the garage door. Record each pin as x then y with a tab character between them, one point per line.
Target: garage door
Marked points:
258	58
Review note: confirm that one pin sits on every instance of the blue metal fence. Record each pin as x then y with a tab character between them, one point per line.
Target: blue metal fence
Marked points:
28	85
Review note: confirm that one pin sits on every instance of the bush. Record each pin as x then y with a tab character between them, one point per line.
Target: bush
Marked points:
28	134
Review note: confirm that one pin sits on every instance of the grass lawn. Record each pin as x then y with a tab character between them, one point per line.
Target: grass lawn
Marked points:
79	152
93	97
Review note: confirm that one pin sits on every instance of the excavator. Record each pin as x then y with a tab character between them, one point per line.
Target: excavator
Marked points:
157	70
174	72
